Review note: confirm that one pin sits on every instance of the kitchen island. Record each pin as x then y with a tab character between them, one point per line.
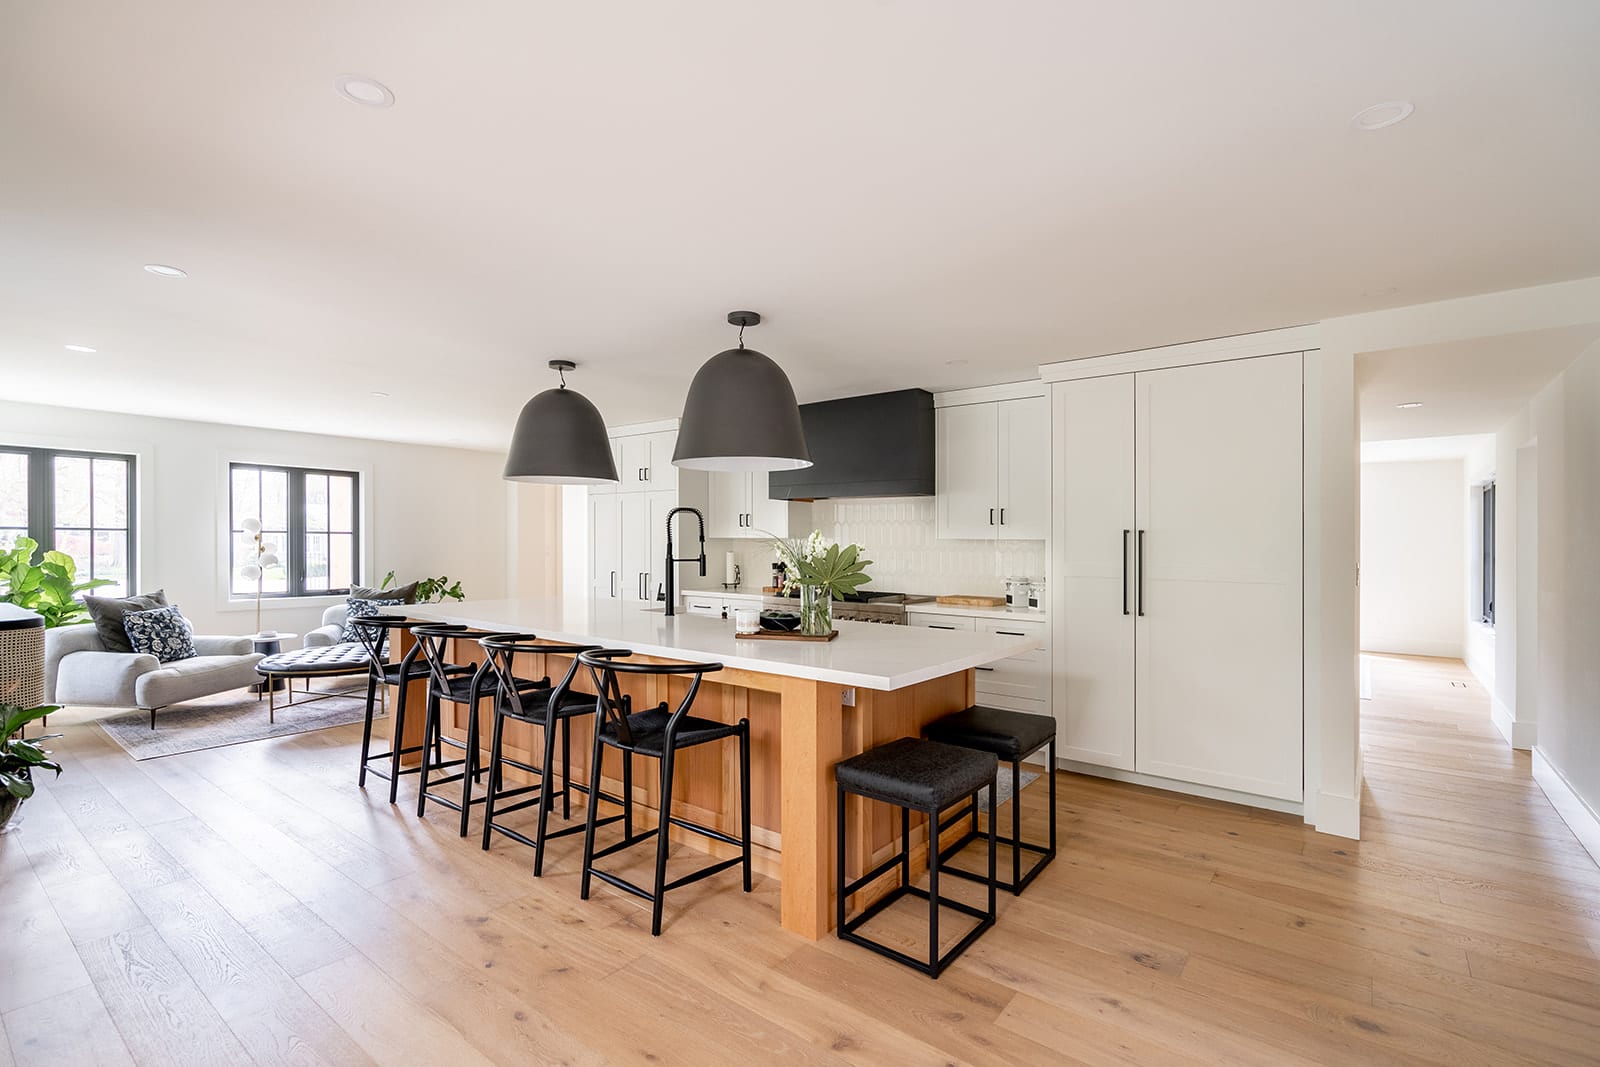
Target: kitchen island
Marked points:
795	695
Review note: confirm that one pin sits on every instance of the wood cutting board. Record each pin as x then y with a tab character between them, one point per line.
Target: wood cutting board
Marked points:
970	601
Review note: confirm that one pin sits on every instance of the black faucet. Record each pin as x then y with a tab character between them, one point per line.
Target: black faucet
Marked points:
672	596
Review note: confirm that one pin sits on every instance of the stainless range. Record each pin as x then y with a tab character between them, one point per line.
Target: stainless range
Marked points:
866	605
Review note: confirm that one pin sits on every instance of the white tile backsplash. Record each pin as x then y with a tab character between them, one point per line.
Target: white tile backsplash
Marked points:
898	536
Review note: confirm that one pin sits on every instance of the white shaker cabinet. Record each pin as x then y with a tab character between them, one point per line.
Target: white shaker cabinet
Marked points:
1178	573
737	506
992	470
644	462
628	545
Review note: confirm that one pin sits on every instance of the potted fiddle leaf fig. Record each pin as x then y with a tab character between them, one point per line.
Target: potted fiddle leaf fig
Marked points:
49	587
20	757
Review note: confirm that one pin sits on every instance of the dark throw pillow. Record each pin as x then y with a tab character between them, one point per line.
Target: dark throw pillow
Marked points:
405	594
360	607
160	632
106	612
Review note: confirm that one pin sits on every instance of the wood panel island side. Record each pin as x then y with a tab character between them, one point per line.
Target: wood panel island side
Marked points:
792	692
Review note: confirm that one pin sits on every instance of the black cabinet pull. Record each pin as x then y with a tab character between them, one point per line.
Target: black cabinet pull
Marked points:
613	585
991	516
984	668
936	626
1010	633
1141	573
1002	516
1125	571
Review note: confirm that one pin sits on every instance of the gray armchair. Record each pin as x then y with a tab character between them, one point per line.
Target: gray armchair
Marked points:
78	670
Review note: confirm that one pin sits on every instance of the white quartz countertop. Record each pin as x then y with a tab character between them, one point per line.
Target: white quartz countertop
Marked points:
926	606
868	655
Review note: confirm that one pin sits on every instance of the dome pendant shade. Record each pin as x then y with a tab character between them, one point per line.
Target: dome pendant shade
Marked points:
560	438
741	414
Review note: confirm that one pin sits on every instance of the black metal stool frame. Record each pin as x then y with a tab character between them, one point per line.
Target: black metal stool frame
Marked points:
615	707
1019	880
372	632
509	704
935	964
431	640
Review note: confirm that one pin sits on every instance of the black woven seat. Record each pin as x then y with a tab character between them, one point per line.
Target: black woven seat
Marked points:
649	731
1012	736
534	705
913	775
921	775
458	687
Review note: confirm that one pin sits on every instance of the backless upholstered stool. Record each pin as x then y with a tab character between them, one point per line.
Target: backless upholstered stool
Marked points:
914	775
546	709
659	732
1012	736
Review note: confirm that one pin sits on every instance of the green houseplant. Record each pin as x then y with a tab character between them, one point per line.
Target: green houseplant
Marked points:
19	758
824	570
431	590
49	587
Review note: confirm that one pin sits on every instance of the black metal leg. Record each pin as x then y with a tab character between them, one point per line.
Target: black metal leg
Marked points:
627	787
566	767
494	777
991	851
366	731
546	801
839	880
152	718
744	796
430	726
1051	770
661	843
933	881
905	847
594	804
397	731
1016	821
469	767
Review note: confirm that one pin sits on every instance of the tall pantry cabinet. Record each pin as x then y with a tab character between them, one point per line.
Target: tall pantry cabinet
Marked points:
1178	560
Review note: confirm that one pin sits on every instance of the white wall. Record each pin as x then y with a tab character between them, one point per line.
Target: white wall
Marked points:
1412	557
426	511
1479	639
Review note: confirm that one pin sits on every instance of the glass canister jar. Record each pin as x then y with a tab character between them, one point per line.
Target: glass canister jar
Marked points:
1016	593
1036	599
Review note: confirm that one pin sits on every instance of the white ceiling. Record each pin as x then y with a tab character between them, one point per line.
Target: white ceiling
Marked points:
912	193
1465	387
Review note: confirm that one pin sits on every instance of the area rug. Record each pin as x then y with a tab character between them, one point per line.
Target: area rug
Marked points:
230	719
1002	787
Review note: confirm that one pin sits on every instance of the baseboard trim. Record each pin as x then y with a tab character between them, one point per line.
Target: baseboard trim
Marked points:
1517	734
1339	815
1579	817
1431	649
1171	785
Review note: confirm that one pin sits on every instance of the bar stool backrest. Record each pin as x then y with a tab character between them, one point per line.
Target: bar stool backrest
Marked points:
501	651
614	706
433	639
372	631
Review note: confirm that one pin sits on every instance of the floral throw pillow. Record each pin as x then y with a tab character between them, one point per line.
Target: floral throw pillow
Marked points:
160	632
357	607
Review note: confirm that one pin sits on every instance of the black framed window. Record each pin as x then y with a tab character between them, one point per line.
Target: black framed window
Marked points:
310	517
80	503
1488	554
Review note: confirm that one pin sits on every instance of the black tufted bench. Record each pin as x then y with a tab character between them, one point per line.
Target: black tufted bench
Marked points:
317	661
1012	736
914	775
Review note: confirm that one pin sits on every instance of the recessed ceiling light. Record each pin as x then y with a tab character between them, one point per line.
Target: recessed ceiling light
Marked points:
78	348
1380	116
1409	404
955	363
380	394
364	91
164	271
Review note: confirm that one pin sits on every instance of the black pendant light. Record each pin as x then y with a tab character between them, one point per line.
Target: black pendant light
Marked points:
560	438
741	414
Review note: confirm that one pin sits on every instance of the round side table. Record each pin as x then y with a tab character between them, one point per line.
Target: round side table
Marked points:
269	645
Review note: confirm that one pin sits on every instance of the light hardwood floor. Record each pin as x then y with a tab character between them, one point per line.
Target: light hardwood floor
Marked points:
250	903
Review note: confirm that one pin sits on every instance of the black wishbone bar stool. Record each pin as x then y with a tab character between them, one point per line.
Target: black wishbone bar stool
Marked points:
373	633
447	685
657	732
545	708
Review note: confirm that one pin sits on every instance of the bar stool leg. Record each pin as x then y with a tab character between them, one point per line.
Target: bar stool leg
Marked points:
991	853
430	727
546	801
627	790
595	767
494	779
661	843
744	796
566	768
1016	822
839	879
1051	770
470	765
933	882
366	730
397	732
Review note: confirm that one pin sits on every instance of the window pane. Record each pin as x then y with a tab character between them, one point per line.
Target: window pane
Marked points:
316	562
75	543
275	500
341	503
246	494
8	538
316	502
111	560
341	561
14	489
72	491
111	493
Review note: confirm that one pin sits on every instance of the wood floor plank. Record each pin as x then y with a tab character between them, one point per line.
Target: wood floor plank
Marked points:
73	1028
389	1024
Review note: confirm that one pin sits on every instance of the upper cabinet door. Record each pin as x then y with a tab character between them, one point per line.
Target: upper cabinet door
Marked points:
1219	499
633	461
727	503
660	474
1092	595
767	516
1024	476
966	442
616	458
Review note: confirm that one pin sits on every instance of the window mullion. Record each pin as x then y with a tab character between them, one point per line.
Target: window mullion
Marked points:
42	498
297	533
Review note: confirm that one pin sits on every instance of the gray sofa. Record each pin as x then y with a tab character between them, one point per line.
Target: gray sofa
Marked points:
78	670
331	631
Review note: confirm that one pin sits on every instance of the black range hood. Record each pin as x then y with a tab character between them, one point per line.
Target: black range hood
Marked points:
878	445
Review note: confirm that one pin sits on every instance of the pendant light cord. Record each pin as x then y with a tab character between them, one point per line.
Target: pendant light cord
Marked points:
563	372
741	335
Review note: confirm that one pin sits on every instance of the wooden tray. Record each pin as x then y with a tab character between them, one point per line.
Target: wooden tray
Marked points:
784	635
970	601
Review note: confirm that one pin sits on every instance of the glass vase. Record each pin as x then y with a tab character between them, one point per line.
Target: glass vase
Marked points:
816	611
